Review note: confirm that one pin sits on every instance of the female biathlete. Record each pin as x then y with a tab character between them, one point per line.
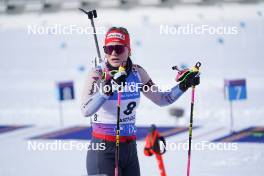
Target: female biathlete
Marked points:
100	103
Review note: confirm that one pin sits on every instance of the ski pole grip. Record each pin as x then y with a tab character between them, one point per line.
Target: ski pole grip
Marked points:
198	65
174	68
94	14
121	68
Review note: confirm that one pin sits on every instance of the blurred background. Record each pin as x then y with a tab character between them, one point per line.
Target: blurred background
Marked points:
47	42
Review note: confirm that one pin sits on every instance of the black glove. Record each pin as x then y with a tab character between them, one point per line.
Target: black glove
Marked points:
119	78
117	81
192	79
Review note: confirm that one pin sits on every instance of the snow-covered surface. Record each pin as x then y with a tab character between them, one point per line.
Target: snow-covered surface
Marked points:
30	66
17	159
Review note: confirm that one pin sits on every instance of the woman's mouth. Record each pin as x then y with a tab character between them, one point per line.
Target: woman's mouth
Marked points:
115	59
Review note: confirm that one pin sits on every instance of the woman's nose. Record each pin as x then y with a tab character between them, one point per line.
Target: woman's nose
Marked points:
114	53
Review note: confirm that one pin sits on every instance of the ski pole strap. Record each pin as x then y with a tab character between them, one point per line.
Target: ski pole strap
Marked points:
161	138
156	149
153	143
183	74
107	74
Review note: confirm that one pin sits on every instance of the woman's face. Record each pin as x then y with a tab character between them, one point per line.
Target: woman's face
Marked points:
115	59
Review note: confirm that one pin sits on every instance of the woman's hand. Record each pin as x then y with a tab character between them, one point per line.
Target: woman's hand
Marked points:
192	79
118	80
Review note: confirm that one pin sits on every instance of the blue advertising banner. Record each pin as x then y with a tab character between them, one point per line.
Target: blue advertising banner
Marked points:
236	89
65	90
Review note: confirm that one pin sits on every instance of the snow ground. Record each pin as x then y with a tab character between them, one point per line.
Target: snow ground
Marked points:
17	159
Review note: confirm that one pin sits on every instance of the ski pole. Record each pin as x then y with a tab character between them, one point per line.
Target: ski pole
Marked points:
161	165
91	15
194	69
117	134
121	68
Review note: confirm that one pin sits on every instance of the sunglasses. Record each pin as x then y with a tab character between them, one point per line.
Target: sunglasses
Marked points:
119	49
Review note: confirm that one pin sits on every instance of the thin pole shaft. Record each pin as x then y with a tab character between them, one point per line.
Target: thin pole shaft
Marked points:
61	114
117	133
161	165
96	41
231	118
190	132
